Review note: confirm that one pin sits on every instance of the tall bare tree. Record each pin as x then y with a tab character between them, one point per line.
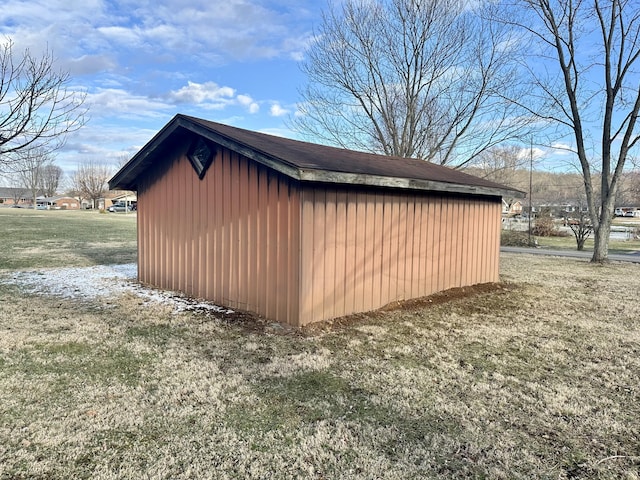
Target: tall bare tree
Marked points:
586	78
632	191
409	78
503	164
30	169
51	176
18	191
90	181
37	106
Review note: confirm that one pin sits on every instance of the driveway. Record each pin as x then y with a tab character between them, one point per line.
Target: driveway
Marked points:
633	257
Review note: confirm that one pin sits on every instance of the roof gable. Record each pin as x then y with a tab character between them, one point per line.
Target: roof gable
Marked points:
306	162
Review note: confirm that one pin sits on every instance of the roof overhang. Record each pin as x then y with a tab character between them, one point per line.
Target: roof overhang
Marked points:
127	177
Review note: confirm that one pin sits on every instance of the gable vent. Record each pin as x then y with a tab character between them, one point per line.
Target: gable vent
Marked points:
201	154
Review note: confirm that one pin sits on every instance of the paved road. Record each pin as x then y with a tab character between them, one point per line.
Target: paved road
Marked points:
616	257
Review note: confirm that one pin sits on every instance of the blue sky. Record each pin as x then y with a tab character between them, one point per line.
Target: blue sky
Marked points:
142	61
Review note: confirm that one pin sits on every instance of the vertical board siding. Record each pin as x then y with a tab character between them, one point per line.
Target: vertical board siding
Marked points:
249	238
232	237
362	250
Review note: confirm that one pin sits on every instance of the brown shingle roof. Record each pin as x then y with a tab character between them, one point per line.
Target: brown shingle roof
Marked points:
312	162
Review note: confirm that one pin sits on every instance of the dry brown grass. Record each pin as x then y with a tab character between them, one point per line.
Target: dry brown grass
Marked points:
538	379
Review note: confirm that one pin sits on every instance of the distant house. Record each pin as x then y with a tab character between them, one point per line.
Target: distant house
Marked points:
114	197
511	209
299	232
59	203
21	197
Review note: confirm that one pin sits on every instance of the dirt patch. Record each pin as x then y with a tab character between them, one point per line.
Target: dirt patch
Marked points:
411	305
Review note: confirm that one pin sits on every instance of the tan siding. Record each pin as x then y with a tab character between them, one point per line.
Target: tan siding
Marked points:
263	242
293	243
251	239
244	218
341	252
253	256
359	253
319	256
331	239
377	245
406	246
369	248
308	247
448	245
393	224
231	238
272	245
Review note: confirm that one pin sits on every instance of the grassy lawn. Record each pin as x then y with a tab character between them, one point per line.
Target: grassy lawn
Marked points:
51	238
568	241
536	378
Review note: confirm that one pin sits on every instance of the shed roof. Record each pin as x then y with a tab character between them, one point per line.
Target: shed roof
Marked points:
307	162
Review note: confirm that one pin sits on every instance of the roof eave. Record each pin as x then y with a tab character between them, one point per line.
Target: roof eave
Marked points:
247	151
404	183
126	178
326	176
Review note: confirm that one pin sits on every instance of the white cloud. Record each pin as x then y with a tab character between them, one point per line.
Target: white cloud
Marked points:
249	103
89	64
200	93
104	102
536	153
278	111
121	35
297	56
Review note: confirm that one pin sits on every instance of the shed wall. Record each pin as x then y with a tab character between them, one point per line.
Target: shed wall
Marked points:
363	249
249	238
231	237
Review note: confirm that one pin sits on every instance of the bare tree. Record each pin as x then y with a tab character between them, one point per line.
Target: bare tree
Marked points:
504	164
581	228
17	191
501	164
37	106
30	168
51	176
17	194
628	194
586	78
90	181
409	78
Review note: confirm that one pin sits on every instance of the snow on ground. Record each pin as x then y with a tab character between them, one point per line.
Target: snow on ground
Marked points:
101	281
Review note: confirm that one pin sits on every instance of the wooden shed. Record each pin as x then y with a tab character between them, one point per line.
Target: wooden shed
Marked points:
299	232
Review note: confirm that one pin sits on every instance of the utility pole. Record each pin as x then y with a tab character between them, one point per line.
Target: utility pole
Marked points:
530	186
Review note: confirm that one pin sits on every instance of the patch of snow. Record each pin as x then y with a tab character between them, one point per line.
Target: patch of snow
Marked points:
103	281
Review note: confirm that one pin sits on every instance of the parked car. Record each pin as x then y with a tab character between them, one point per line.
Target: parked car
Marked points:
629	214
119	207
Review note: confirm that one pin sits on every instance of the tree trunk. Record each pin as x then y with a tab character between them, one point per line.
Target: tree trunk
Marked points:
601	240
